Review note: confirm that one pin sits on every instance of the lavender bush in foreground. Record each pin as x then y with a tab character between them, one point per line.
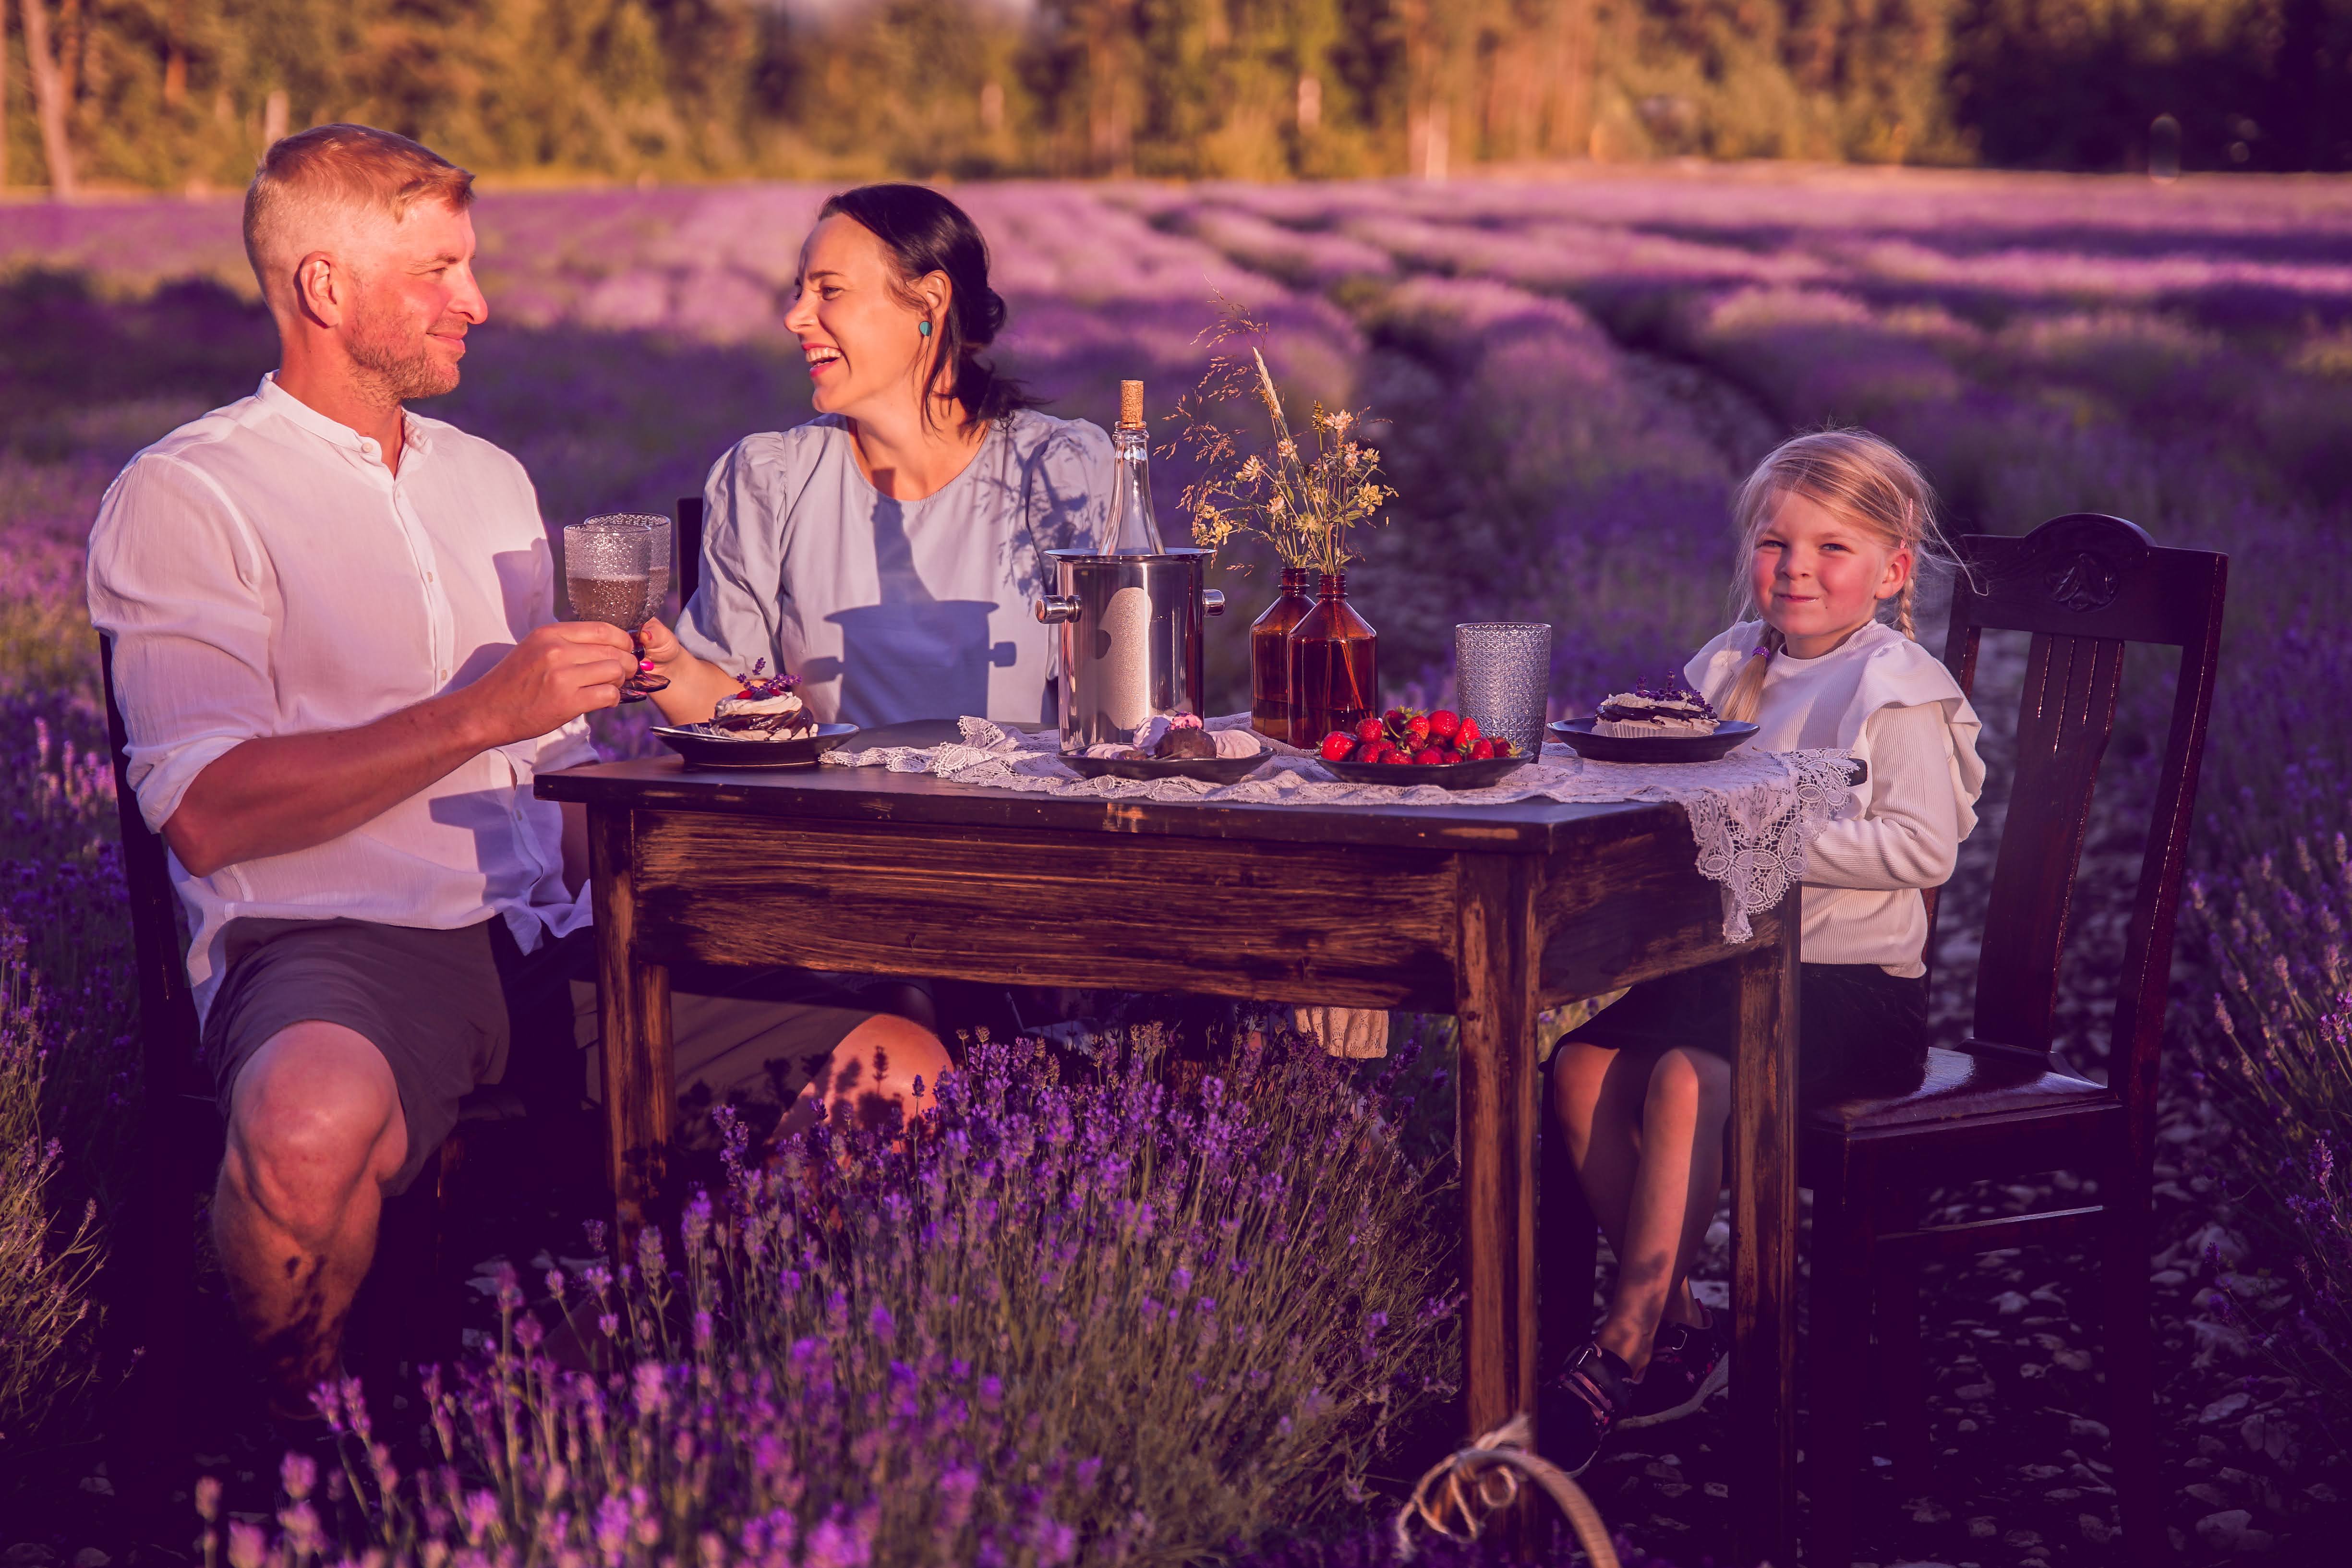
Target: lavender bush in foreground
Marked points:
1096	1316
2277	931
45	1279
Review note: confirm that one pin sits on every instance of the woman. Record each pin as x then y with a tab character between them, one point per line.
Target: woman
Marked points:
888	552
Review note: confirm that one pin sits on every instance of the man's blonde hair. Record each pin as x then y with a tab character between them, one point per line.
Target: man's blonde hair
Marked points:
304	175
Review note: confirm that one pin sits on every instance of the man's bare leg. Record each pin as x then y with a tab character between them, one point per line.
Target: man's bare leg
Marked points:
314	1131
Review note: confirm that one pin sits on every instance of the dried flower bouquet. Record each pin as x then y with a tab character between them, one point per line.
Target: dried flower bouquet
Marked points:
1300	501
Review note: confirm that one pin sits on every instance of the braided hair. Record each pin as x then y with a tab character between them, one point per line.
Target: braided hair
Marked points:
1864	482
925	233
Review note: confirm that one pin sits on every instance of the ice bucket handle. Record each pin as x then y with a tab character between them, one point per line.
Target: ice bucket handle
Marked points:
1212	600
1056	608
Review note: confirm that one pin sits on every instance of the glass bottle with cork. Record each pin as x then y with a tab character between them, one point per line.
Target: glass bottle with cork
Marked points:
1134	529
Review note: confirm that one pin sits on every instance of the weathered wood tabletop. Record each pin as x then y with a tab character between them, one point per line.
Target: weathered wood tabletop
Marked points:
1489	913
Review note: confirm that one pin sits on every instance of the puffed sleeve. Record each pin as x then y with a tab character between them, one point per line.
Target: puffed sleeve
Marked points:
178	581
1713	668
736	615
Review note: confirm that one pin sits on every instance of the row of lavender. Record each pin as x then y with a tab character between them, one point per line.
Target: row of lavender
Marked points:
1569	375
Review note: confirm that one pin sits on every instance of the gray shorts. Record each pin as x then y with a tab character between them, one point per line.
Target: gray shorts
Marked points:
452	1010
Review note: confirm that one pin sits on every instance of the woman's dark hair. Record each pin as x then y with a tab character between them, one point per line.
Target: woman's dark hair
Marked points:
926	233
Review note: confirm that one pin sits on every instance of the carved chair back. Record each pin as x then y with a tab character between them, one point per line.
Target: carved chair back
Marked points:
2084	586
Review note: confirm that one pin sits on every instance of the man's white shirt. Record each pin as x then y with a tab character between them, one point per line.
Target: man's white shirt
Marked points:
262	573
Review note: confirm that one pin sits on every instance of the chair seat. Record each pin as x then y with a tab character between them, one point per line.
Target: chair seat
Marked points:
1961	1086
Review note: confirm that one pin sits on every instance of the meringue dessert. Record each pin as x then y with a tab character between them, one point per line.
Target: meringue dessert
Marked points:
1642	714
767	710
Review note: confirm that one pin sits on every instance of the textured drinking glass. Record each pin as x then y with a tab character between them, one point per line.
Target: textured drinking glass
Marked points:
616	569
1502	673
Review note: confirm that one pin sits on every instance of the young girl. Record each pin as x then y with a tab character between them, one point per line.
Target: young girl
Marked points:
1834	527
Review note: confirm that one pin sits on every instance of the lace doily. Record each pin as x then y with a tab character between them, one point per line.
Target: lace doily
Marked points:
1753	814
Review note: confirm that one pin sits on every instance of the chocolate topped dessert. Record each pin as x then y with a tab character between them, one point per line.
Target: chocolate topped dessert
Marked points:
1671	709
765	708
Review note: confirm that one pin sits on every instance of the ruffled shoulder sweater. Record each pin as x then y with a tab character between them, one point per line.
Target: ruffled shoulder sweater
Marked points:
1894	704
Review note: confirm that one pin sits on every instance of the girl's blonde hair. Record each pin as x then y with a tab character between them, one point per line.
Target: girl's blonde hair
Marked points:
1863	481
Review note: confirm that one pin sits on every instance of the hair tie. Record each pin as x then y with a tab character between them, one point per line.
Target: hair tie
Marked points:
1759	651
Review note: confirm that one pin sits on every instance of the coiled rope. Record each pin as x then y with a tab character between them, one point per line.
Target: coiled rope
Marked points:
1462	1491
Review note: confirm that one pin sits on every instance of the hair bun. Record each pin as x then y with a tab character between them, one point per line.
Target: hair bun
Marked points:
991	313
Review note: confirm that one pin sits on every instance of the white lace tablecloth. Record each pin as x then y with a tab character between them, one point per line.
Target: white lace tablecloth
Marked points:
1753	814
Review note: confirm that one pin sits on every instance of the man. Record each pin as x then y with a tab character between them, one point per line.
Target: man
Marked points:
336	651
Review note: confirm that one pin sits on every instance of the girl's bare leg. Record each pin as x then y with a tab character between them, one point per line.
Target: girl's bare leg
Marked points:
1597	1096
1672	1198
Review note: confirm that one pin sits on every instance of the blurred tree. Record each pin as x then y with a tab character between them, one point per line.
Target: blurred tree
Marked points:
2256	84
51	96
167	93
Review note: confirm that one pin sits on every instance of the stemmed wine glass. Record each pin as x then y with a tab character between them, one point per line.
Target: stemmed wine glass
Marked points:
616	569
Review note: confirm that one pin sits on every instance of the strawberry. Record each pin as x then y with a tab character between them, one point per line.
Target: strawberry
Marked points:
1337	746
1417	728
1467	734
1428	755
1368	730
1481	749
1394	757
1394	718
1444	723
1503	748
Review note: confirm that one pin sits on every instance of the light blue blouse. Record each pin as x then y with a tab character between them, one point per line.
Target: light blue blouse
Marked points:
891	610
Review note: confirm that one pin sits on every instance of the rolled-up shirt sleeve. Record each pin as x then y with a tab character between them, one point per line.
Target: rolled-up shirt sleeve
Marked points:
734	617
1910	835
178	582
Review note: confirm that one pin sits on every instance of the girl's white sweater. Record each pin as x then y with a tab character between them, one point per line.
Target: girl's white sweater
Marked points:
1891	702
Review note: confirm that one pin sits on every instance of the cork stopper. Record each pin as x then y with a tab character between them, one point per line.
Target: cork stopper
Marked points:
1130	405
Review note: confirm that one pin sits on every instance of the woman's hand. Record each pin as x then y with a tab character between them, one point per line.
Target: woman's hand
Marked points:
696	685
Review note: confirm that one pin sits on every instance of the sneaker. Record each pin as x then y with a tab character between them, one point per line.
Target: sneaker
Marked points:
1576	1411
1691	1363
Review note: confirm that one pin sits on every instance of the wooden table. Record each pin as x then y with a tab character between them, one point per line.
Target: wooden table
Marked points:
1489	913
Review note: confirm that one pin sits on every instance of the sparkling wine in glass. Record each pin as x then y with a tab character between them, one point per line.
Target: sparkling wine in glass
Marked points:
616	569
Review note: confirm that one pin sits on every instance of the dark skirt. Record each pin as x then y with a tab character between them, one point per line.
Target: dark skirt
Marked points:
1860	1031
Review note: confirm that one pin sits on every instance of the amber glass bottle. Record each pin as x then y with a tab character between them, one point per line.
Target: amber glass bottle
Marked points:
1270	655
1334	667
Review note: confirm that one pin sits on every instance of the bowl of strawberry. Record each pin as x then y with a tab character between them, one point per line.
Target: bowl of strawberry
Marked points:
1406	746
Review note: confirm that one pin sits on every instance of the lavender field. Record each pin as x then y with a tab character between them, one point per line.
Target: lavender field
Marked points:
1567	376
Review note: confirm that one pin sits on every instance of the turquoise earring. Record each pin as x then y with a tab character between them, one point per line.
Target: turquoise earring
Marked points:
924	328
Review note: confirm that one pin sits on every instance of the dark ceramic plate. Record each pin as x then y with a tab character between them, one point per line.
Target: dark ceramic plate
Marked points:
702	749
1444	775
1207	770
1577	736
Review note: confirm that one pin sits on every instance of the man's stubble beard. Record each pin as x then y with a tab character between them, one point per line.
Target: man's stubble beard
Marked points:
395	364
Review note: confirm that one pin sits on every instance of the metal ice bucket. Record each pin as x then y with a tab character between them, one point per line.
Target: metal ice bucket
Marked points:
1132	636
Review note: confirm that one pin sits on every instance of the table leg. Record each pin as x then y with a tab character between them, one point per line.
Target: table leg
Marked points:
1495	1086
633	1005
1764	1241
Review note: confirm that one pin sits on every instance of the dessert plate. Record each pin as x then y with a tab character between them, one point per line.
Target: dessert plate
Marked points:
700	748
1207	770
1476	774
1577	736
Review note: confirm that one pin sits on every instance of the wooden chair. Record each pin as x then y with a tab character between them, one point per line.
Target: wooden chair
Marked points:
183	1143
156	1267
1999	1105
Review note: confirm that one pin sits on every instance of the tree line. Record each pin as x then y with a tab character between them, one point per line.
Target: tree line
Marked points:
172	94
